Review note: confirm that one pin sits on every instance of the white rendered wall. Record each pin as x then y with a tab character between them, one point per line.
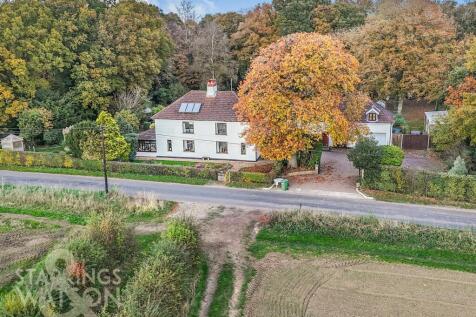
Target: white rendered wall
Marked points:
205	139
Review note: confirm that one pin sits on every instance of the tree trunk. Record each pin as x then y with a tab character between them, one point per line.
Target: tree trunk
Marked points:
293	161
400	104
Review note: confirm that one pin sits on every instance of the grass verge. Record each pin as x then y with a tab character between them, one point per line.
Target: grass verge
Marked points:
199	288
52	215
403	198
68	171
296	233
220	305
249	274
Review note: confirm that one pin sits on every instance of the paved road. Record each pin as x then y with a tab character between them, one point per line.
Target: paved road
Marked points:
436	216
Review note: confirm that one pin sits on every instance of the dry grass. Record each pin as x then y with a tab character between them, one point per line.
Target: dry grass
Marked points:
77	202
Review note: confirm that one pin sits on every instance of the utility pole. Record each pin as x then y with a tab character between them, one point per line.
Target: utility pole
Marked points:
104	161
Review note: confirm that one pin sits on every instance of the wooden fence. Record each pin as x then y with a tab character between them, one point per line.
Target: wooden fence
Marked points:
411	142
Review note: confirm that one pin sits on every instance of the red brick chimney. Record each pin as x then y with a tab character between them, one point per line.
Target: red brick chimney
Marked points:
212	88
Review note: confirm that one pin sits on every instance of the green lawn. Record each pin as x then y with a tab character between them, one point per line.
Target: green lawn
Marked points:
272	240
221	300
167	162
69	171
74	219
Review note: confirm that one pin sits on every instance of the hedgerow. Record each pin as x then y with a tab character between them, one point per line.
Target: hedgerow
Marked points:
422	183
54	160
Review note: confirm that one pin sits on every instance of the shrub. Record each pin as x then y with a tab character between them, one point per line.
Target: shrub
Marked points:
65	161
133	140
309	159
77	135
53	137
439	186
161	285
164	282
111	232
391	155
459	167
184	233
89	252
15	306
366	155
248	178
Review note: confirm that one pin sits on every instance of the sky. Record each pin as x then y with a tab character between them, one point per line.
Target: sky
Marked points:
210	6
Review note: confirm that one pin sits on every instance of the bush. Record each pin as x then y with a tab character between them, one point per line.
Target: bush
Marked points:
309	159
65	161
184	233
53	137
440	186
15	306
89	252
366	155
77	135
163	285
110	231
133	140
459	167
391	155
249	178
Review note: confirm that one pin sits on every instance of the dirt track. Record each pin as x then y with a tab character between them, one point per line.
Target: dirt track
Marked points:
353	287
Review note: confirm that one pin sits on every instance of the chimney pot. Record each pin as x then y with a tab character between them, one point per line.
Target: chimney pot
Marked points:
212	88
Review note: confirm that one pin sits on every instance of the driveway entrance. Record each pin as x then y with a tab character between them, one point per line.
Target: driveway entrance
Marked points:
337	175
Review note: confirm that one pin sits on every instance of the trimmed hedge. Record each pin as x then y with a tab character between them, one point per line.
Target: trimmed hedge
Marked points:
421	183
249	178
392	155
30	159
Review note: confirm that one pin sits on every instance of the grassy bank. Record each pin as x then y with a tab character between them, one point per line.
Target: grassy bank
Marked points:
75	206
305	233
69	171
220	305
410	199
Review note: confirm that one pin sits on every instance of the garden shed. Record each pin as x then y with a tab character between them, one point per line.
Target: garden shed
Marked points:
13	143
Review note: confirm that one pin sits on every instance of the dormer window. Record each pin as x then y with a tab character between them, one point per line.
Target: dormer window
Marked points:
372	116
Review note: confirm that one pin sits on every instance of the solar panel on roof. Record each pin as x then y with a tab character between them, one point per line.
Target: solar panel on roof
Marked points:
190	107
183	107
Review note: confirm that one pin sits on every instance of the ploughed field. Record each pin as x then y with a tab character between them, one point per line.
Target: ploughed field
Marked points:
350	286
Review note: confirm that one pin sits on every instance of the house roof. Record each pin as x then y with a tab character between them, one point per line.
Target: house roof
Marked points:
12	137
148	135
219	108
384	115
434	116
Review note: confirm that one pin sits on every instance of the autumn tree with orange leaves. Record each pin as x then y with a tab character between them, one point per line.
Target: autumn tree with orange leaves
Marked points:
295	90
405	50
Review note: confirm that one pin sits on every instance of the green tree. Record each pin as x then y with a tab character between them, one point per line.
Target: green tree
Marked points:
134	34
129	118
366	155
459	167
116	145
33	123
78	134
295	16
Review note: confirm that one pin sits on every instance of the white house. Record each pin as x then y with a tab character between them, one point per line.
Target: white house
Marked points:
378	121
432	118
199	125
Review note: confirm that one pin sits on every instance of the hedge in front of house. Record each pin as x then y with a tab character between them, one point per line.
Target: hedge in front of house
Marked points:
391	155
34	159
249	177
421	183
